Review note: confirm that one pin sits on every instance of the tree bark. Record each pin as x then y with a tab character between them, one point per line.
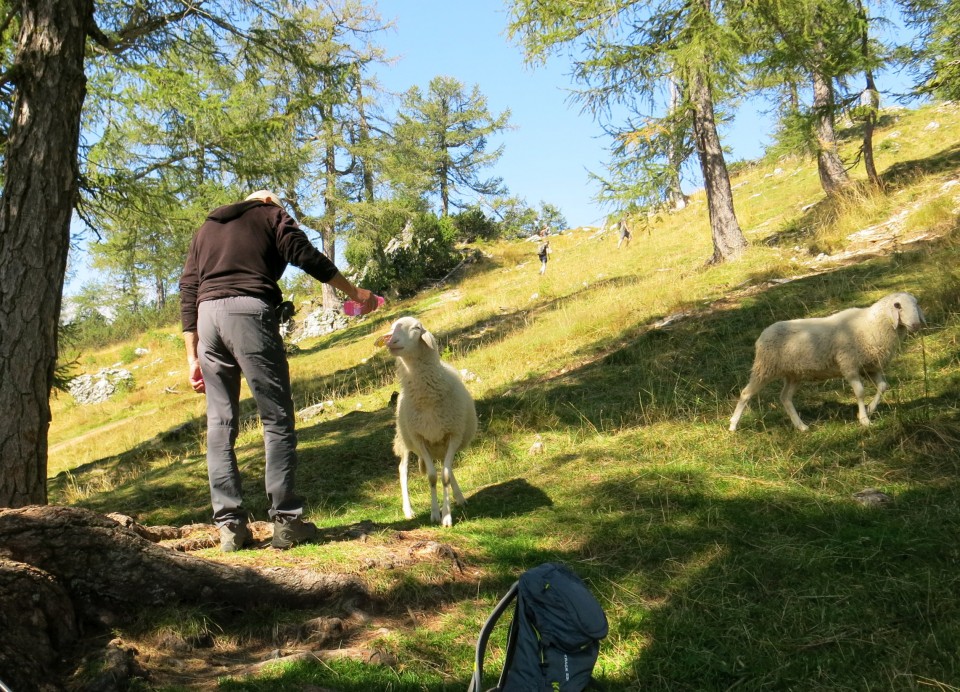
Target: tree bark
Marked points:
106	566
37	626
728	239
870	121
328	226
40	185
869	100
676	200
833	176
363	133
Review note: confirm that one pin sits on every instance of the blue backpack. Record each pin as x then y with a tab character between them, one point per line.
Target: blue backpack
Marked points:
554	637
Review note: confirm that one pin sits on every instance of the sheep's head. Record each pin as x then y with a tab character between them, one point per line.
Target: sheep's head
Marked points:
903	311
406	337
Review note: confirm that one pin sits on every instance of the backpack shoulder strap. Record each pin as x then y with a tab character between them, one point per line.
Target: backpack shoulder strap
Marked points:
485	631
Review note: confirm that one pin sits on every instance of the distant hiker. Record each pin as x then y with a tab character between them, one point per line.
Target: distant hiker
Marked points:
229	298
544	231
624	233
542	251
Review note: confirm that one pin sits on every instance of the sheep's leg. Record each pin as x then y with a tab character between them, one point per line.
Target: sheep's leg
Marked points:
882	386
404	491
457	495
450	484
786	398
431	470
753	386
858	390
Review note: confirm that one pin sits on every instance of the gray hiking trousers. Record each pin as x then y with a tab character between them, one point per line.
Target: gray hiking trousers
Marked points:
241	336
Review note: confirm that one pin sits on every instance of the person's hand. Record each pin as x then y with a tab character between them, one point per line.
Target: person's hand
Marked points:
196	378
368	299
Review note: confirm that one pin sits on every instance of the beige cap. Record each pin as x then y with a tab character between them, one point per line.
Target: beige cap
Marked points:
265	196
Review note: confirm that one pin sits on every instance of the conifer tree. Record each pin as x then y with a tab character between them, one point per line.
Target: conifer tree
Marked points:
626	52
444	136
52	45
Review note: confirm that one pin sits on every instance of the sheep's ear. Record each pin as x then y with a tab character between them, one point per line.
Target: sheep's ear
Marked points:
428	339
893	312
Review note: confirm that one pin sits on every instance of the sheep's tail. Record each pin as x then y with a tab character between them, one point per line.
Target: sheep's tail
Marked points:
766	366
399	448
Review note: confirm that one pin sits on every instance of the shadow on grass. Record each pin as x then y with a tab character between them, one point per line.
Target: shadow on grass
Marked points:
783	592
510	499
780	591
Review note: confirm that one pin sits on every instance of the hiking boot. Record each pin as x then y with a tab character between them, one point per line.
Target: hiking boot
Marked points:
234	537
290	532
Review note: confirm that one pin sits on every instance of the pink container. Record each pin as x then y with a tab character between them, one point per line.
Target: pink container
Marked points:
353	308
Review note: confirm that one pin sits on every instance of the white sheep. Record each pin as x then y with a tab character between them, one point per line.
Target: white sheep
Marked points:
436	416
848	344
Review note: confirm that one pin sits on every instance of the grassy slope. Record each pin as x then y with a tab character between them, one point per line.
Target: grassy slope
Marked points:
722	559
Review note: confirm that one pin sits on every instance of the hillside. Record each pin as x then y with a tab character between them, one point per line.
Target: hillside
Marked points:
722	559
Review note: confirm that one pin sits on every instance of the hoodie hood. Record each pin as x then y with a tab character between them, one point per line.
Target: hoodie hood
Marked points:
229	212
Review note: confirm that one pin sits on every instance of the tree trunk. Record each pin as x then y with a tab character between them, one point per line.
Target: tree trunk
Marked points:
675	197
869	101
833	176
328	237
161	292
872	98
328	225
62	566
39	190
363	134
444	187
728	240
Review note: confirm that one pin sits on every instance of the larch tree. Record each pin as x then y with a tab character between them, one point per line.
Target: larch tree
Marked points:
213	124
868	106
624	52
646	158
937	56
833	173
326	122
445	133
45	87
828	41
42	92
176	138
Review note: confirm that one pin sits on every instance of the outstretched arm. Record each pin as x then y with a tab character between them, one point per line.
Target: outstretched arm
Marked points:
367	298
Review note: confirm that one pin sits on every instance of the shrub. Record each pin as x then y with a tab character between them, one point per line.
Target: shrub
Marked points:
472	225
420	253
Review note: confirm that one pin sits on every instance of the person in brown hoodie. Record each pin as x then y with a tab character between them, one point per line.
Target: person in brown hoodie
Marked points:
229	295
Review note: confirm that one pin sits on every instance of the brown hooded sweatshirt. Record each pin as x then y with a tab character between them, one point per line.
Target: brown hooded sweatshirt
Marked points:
242	249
